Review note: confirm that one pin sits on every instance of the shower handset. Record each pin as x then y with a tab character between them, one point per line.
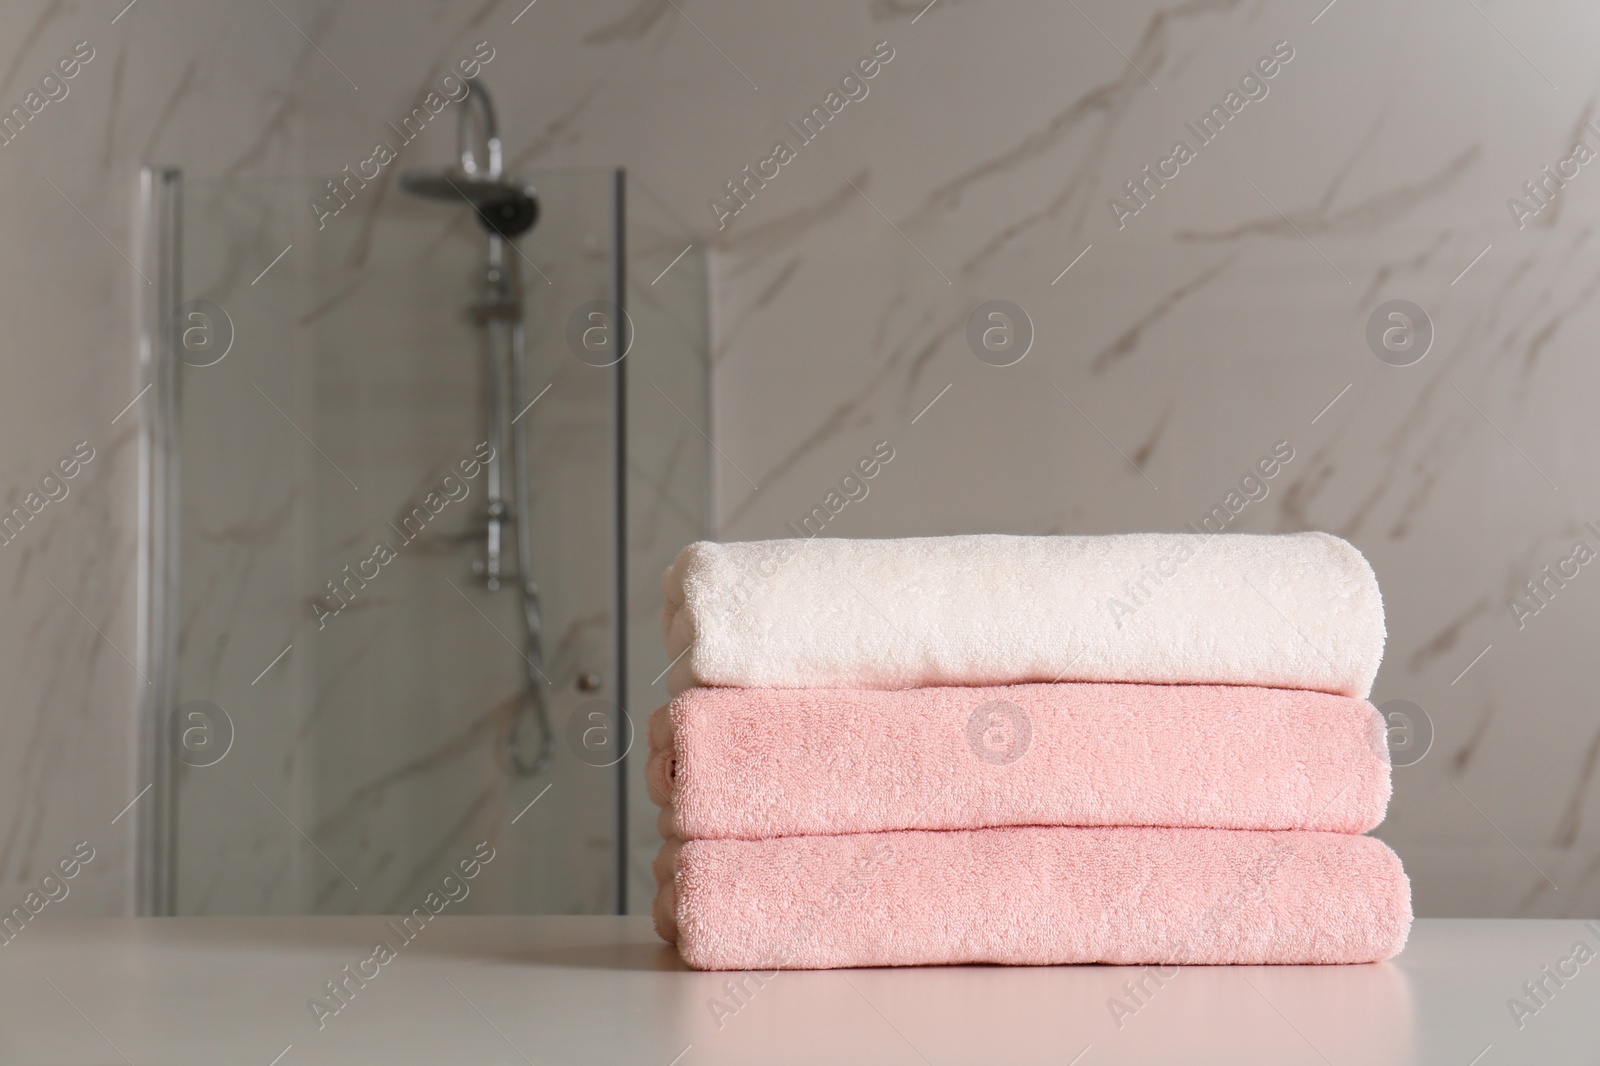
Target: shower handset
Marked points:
506	208
533	628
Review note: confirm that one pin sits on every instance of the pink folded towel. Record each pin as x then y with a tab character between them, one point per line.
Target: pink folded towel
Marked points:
754	763
1032	896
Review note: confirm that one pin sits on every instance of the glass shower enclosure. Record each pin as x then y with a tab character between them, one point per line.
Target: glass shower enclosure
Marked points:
336	694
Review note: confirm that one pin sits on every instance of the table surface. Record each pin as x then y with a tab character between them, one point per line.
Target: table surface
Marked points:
540	990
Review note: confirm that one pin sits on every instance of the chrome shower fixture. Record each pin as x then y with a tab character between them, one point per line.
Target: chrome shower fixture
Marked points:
506	208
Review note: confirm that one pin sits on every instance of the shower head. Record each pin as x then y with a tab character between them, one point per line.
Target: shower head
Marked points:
504	206
453	183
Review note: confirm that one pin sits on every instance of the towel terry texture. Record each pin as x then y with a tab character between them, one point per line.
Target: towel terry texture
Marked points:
1143	749
1033	896
1286	611
753	763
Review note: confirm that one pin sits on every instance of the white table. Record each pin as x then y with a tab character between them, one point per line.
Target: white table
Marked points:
554	990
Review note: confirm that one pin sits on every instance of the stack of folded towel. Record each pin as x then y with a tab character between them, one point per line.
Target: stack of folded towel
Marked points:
1136	749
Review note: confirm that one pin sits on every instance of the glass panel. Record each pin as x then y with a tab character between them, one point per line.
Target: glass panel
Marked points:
669	470
333	504
246	511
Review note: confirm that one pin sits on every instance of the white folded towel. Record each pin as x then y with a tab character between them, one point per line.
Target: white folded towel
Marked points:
1295	610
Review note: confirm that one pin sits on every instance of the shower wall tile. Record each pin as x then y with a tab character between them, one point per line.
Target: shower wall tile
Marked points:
1225	316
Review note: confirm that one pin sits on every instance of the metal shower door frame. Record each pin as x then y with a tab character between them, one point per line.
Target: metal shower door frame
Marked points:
160	236
619	254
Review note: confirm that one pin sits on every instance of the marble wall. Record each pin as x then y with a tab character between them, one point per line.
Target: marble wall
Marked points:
1172	347
212	87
